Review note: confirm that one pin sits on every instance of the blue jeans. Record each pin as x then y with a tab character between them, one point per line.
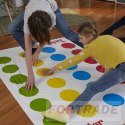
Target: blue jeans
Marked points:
108	80
65	30
115	26
16	29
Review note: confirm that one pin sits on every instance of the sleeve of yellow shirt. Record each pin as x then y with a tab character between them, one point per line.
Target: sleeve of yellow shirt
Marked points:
74	60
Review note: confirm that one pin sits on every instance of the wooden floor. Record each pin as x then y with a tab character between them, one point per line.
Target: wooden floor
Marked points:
104	13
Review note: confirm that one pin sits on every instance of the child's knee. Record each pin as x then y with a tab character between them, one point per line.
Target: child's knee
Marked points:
96	87
92	88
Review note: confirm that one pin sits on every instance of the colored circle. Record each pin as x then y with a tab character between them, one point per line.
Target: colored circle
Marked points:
28	93
47	121
90	60
56	82
81	75
68	45
10	68
123	83
40	104
39	63
114	99
100	68
69	95
87	111
18	79
73	67
4	60
39	72
22	54
58	57
76	51
48	49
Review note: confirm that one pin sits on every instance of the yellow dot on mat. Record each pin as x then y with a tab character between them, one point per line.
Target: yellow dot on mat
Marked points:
39	72
87	111
69	95
22	54
56	82
39	63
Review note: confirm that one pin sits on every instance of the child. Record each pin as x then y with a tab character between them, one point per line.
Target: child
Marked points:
108	51
39	18
115	26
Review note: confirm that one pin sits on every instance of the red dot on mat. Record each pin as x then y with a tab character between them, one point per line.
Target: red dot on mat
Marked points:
123	82
90	60
76	51
68	45
100	68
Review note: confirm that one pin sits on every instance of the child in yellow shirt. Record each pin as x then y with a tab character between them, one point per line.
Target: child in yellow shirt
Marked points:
108	51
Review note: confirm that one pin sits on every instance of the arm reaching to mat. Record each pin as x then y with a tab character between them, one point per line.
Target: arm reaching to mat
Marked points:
28	46
69	62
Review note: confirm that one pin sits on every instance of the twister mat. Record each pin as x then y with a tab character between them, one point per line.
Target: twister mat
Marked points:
60	89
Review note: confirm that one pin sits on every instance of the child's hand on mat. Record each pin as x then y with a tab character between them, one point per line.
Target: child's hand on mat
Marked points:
30	83
35	58
48	72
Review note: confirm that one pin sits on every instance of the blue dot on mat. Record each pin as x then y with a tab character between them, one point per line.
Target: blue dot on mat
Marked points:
81	75
114	99
73	67
48	49
58	57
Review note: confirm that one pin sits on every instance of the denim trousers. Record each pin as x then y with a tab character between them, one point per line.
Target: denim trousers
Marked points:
115	26
106	81
16	29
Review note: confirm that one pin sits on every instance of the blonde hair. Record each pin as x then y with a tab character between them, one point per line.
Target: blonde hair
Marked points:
88	28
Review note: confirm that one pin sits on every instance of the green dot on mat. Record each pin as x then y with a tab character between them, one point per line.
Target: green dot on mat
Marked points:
29	93
40	104
4	60
18	79
47	121
10	68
